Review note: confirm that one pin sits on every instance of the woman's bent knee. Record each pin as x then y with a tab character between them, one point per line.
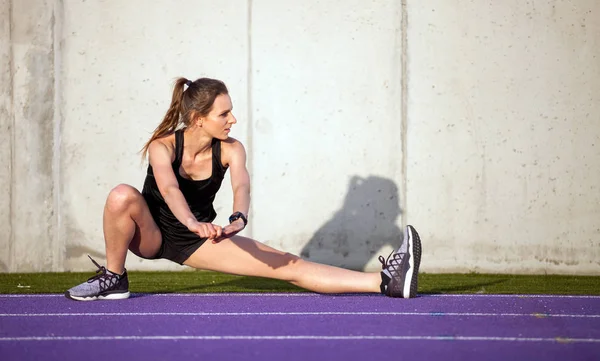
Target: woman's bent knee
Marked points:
122	197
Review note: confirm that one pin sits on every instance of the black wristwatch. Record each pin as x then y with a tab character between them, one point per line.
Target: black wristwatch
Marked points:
237	215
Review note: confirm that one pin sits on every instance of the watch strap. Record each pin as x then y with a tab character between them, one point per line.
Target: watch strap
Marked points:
237	215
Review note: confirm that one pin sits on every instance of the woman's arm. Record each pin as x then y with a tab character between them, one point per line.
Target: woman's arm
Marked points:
240	179
240	184
160	157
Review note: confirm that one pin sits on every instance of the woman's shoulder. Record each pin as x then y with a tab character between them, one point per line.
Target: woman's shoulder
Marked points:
231	148
167	140
163	143
231	144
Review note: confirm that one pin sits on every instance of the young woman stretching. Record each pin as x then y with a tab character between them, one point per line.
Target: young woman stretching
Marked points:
189	154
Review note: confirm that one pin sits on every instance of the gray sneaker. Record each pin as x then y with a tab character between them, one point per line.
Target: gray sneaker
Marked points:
105	285
400	275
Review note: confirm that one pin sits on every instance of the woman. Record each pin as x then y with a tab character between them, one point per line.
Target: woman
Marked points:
172	216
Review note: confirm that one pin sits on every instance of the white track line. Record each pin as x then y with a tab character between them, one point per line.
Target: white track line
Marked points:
355	294
308	295
185	295
325	313
513	296
304	337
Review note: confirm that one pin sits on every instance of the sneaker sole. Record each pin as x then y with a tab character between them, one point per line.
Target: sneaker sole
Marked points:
110	296
414	250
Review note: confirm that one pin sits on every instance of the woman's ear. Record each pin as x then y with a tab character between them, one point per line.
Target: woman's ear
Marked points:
195	120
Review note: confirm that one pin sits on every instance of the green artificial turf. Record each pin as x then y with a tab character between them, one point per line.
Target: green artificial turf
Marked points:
210	282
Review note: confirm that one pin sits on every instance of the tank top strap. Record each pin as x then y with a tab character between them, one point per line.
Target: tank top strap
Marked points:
178	148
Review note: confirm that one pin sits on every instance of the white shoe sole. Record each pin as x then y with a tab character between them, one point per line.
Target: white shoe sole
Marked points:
111	296
411	263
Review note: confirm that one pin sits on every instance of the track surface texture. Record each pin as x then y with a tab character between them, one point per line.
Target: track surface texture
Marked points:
301	326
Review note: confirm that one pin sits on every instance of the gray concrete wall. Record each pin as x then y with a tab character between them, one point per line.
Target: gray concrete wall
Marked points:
6	124
29	98
504	134
477	122
326	128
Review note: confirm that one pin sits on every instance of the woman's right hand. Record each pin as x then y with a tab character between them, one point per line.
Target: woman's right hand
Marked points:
205	230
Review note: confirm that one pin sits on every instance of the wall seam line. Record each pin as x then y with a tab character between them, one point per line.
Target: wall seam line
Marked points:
11	65
59	243
404	107
250	154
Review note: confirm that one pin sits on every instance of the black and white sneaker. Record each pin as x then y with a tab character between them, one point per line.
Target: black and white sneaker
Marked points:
400	275
105	285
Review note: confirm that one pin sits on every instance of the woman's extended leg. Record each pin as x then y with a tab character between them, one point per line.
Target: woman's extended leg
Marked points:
245	256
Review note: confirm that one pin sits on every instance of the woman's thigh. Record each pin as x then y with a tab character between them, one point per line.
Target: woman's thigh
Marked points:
147	238
244	256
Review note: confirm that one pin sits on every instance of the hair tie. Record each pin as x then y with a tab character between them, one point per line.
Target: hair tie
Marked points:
189	83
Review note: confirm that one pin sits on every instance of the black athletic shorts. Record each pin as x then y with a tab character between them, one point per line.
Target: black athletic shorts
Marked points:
178	242
176	252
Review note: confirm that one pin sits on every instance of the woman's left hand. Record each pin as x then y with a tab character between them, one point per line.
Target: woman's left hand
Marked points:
230	230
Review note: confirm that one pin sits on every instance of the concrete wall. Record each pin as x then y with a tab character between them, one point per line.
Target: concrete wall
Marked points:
477	122
504	134
326	128
6	125
28	105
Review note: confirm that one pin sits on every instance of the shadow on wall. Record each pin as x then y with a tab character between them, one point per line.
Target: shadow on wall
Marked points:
358	231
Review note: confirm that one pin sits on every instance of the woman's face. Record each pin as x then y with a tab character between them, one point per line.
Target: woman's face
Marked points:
220	119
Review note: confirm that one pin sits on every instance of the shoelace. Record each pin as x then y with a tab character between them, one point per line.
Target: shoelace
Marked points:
100	272
106	280
393	265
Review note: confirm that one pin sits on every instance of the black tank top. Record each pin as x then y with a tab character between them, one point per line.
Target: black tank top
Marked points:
199	194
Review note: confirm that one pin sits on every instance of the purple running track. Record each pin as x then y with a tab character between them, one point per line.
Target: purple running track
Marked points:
301	327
